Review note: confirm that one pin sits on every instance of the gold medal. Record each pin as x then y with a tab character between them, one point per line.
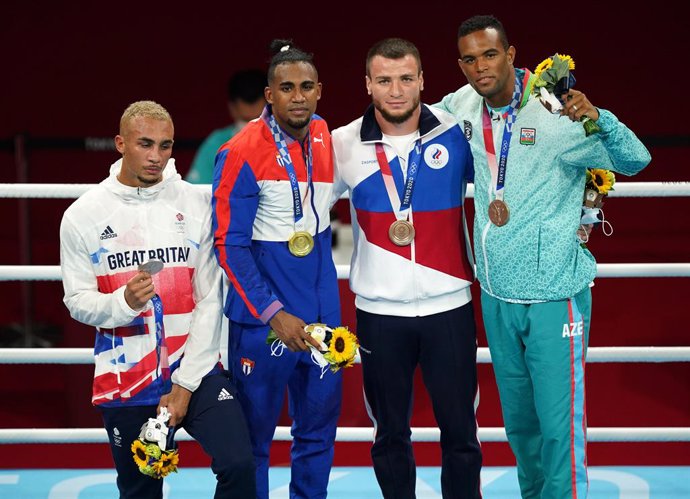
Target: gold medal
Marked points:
498	212
301	243
401	232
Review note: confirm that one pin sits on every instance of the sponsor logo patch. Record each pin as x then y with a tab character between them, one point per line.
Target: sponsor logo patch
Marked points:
108	233
467	129
224	395
319	139
117	439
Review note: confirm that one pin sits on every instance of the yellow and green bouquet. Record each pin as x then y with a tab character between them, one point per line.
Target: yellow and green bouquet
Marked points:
149	450
598	184
553	79
338	345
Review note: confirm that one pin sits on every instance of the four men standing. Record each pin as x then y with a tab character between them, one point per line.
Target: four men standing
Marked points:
406	167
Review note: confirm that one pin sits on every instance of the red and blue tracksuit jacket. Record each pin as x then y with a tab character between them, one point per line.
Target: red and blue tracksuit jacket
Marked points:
253	219
434	273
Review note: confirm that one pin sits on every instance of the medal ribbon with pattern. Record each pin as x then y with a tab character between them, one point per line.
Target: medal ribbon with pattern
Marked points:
500	168
290	168
161	345
414	162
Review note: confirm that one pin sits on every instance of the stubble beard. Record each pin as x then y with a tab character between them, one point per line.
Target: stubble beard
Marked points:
397	119
148	182
299	124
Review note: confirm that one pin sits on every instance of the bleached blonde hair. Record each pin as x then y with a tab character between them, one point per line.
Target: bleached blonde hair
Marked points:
145	108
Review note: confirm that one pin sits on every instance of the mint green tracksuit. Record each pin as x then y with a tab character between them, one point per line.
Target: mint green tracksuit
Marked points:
535	279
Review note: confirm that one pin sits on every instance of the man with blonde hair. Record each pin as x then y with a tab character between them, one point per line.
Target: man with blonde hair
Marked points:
137	263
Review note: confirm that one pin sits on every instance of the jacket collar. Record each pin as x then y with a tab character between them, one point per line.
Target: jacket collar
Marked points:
371	131
128	193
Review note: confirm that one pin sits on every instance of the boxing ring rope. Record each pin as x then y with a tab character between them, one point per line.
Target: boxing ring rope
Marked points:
355	434
67	191
344	434
52	272
594	355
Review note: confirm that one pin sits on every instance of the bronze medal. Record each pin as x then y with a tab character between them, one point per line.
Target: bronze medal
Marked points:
498	212
401	232
301	243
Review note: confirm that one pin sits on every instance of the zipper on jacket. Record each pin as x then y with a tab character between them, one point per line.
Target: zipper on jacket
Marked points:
317	243
413	259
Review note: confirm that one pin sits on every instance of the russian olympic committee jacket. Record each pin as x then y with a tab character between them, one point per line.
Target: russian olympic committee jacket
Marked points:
253	219
536	256
434	272
104	236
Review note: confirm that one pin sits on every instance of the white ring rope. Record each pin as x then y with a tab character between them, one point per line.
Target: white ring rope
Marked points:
346	434
594	355
622	189
52	272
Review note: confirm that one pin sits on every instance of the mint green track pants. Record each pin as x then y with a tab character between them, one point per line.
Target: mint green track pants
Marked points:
538	353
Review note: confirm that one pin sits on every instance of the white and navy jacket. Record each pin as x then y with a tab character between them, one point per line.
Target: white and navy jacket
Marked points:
433	274
104	236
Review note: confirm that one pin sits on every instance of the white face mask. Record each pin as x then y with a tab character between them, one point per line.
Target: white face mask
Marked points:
591	216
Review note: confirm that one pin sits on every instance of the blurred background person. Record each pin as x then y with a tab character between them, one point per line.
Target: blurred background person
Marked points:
245	103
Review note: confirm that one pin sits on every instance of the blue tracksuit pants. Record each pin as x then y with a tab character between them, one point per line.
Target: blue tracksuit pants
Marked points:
444	345
262	373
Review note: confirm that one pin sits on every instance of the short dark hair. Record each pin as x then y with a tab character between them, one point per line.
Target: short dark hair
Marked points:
479	23
394	48
285	52
247	86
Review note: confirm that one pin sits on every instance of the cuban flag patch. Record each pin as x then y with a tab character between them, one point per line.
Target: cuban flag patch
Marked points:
528	136
247	366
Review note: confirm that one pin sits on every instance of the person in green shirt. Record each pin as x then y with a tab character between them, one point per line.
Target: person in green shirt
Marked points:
245	103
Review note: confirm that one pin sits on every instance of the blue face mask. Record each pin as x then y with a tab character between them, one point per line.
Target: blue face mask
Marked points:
591	216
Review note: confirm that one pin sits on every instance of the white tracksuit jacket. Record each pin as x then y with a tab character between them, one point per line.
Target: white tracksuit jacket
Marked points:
104	236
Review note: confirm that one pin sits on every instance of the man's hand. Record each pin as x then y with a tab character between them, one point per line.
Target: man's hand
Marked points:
177	402
139	290
290	330
576	105
584	231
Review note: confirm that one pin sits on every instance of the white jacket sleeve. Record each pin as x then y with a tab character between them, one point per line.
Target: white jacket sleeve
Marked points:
202	350
82	298
339	186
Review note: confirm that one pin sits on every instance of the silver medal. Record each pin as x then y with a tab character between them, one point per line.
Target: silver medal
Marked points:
152	267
